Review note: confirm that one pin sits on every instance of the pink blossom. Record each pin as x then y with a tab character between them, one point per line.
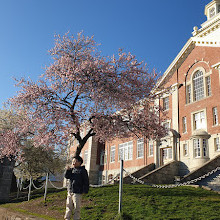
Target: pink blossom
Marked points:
83	88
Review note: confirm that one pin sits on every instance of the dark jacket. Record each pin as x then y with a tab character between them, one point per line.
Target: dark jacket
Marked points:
79	180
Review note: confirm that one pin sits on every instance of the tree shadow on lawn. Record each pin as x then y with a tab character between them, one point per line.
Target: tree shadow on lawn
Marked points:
23	195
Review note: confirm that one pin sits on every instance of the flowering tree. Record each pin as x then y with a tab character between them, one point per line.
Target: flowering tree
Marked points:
110	96
16	144
9	135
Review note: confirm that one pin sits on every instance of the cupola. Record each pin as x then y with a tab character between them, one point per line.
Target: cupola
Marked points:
212	9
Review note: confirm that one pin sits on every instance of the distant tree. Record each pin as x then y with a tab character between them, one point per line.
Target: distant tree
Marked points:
38	161
111	96
16	144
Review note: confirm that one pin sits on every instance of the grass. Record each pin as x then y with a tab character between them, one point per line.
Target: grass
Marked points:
139	202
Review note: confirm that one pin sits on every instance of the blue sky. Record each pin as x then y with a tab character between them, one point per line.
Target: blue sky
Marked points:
154	31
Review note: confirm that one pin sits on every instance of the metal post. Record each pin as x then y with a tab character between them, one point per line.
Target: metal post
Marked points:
45	192
29	192
120	187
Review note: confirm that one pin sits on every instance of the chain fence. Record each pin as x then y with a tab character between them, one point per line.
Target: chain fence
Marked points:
108	183
172	185
134	180
38	188
63	187
31	184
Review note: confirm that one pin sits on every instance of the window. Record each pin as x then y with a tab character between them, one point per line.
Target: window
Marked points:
166	103
218	8
166	125
85	157
196	144
167	153
215	116
126	151
112	154
198	85
185	150
199	120
140	148
103	157
211	12
208	86
200	147
217	144
151	149
184	125
188	94
204	141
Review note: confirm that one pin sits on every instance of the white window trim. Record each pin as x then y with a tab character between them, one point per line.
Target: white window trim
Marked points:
187	147
166	97
201	148
192	119
169	153
138	143
190	82
149	150
112	161
214	125
188	98
124	151
184	132
216	149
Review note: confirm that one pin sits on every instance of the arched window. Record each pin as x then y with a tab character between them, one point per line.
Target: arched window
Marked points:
198	85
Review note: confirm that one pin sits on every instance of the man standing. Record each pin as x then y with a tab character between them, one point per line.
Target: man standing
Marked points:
78	184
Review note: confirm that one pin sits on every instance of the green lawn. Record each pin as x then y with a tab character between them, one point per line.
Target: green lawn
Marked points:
139	202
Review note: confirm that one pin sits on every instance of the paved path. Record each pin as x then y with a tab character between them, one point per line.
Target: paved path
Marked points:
6	214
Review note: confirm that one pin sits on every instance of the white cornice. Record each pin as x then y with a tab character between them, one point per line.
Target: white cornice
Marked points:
216	66
210	22
208	28
177	61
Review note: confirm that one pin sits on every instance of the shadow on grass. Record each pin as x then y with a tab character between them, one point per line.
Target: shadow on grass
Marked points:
23	195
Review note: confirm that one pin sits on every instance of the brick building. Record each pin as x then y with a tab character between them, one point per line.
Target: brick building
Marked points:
192	107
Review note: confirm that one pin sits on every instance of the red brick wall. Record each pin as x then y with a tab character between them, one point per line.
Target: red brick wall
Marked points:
207	56
135	162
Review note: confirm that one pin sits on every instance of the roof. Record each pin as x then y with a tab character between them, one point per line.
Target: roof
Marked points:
207	35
